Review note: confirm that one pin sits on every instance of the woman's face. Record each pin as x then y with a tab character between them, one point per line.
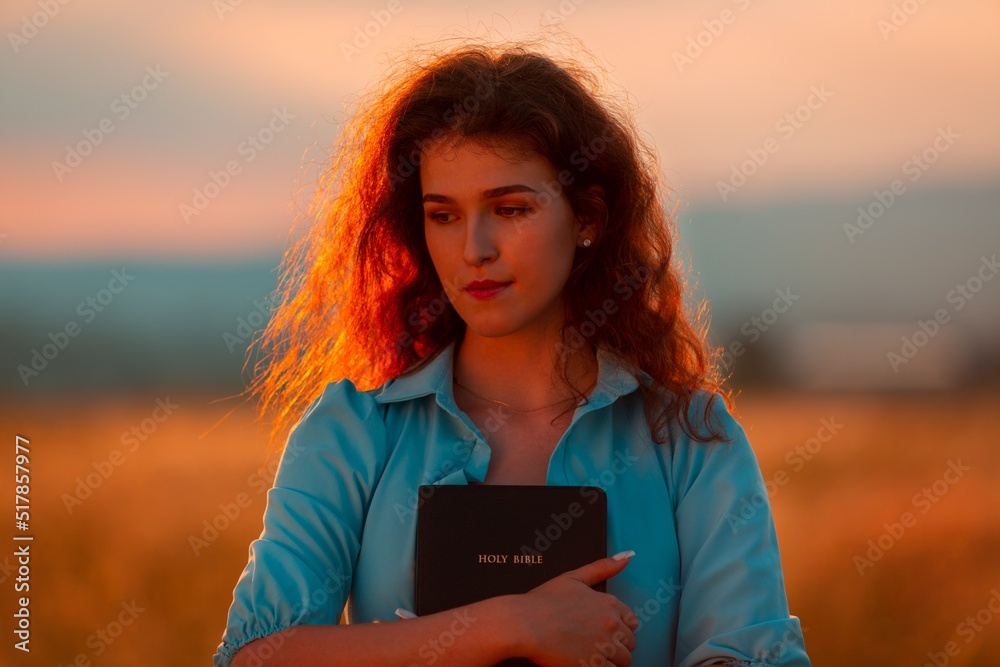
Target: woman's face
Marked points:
500	218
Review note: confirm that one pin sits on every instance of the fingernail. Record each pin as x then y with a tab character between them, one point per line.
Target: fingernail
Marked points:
404	613
622	555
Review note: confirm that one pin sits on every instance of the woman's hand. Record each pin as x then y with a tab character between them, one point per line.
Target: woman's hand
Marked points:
566	623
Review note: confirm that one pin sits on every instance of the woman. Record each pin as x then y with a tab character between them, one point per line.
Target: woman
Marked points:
488	296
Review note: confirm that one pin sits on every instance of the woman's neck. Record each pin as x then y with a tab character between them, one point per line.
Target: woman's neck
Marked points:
523	372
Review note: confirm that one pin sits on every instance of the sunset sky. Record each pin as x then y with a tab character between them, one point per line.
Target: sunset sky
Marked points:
884	85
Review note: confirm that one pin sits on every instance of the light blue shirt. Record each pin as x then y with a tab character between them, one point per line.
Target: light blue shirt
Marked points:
340	523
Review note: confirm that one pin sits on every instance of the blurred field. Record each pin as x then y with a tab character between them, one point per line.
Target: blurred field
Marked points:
129	541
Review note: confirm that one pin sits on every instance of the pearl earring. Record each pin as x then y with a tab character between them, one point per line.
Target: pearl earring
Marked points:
586	243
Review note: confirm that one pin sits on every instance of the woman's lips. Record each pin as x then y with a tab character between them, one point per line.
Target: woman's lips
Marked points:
483	293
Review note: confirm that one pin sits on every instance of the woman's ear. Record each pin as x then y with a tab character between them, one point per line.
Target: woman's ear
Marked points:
594	217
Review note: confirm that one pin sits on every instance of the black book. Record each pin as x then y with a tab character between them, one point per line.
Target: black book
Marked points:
483	540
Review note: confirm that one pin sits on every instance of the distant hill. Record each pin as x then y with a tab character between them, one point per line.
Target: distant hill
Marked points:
185	322
174	323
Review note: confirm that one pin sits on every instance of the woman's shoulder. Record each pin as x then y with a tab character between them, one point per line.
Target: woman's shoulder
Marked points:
341	403
343	393
709	410
726	455
705	411
344	397
701	402
341	427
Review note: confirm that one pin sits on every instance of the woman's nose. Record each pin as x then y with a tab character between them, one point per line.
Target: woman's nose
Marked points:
480	245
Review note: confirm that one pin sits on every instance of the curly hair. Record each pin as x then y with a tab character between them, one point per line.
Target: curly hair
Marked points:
358	296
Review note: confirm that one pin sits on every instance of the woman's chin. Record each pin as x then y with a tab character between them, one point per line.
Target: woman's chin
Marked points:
484	330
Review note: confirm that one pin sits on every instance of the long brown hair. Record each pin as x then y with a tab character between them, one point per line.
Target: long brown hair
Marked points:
358	296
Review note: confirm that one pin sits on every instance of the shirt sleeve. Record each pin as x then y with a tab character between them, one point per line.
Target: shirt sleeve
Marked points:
733	608
301	567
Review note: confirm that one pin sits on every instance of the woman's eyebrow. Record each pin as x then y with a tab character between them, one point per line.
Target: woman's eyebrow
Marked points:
492	193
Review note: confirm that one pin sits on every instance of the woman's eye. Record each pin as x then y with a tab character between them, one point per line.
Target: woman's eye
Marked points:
513	211
440	216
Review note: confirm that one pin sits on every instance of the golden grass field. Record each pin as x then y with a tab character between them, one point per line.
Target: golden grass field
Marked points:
124	552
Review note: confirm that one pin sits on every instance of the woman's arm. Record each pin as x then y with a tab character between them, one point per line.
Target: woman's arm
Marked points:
733	605
483	633
562	622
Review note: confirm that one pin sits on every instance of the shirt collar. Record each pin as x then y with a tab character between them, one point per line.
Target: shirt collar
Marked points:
613	380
